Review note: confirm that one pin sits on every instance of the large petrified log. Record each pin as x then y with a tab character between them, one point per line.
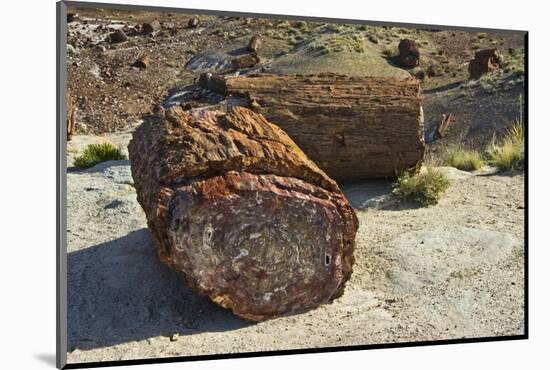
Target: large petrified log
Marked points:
351	127
238	210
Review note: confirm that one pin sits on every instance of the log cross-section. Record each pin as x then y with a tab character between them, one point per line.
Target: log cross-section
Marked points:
237	209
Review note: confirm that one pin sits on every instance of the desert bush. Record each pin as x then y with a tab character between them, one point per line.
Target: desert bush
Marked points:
463	159
97	153
510	154
424	187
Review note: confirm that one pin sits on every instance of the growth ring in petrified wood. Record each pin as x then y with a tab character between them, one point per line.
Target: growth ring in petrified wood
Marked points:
237	209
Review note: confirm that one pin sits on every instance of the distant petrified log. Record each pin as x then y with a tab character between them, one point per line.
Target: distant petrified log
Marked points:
245	61
70	115
409	56
254	44
351	127
152	27
485	61
237	209
142	62
193	22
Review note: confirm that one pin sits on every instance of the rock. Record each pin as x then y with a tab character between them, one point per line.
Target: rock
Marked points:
254	44
70	49
152	27
118	36
193	22
245	61
409	56
433	71
351	127
239	211
485	61
142	62
71	17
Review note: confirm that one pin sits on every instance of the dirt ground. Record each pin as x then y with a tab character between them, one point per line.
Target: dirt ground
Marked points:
454	270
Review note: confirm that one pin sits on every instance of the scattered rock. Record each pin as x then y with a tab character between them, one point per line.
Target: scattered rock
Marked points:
71	17
118	36
254	44
227	196
193	22
174	337
409	56
147	28
421	75
433	71
485	61
142	62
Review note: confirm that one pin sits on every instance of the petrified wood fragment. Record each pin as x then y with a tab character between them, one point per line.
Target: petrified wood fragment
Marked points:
409	56
351	127
485	61
238	210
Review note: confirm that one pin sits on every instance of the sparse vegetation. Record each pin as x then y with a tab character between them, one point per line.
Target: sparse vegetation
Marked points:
424	187
510	155
97	153
463	159
350	42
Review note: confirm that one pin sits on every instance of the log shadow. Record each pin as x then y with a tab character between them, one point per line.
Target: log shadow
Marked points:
375	194
119	291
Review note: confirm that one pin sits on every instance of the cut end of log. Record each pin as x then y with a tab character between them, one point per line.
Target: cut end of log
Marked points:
238	210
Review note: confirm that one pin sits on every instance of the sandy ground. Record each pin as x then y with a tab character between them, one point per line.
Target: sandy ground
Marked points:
454	270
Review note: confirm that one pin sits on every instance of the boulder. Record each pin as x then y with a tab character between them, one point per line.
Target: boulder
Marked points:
351	127
409	56
485	61
239	211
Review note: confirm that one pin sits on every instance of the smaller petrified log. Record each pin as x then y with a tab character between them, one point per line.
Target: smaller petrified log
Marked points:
70	115
254	44
409	56
152	27
485	61
351	127
238	210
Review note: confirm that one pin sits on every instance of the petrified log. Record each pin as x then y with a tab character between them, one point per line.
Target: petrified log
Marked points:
485	61
152	27
245	61
70	115
254	44
237	209
142	62
409	56
351	127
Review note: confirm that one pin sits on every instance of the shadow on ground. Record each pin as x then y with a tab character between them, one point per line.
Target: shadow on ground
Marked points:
119	291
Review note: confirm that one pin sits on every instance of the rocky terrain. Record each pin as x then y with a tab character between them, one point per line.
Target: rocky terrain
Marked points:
453	270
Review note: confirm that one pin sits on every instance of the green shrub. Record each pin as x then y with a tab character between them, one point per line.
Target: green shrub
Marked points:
424	187
510	154
97	153
463	159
